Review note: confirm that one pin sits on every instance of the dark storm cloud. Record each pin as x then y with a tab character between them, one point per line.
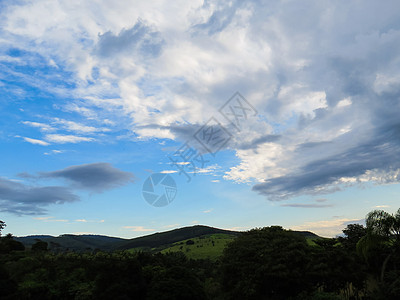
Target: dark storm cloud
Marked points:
95	177
22	199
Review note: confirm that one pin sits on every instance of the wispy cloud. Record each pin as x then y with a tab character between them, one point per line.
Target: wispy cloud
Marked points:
161	74
327	228
54	152
303	205
89	221
78	128
171	226
42	126
36	142
63	138
138	228
50	219
238	228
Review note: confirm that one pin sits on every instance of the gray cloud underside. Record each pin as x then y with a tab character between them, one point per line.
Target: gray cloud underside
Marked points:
140	38
381	152
278	56
96	177
21	199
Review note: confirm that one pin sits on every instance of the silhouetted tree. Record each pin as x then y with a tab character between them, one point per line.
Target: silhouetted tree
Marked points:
39	246
380	246
8	244
2	226
353	233
267	263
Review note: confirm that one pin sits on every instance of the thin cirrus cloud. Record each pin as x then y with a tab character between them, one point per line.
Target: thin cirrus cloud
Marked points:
327	94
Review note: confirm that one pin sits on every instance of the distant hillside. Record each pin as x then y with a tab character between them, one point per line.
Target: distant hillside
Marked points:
203	247
73	242
308	234
160	240
172	236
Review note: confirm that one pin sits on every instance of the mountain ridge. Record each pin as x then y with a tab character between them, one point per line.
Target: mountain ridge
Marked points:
86	242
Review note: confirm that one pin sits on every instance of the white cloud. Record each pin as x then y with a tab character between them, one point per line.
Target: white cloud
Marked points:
50	219
138	228
89	221
54	152
238	228
171	226
63	139
326	228
328	91
78	128
36	142
41	126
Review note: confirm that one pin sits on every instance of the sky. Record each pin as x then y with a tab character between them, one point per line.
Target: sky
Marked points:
125	118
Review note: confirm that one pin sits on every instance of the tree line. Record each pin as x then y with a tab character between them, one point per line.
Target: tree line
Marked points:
262	263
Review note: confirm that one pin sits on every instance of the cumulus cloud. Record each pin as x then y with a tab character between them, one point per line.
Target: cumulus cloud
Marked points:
95	177
324	79
21	199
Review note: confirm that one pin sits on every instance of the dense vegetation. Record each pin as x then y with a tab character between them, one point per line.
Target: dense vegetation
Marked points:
263	263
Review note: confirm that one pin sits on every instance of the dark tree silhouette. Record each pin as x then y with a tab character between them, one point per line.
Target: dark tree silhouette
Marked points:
2	226
267	263
39	246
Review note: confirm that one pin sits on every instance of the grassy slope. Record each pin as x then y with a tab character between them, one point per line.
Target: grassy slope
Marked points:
208	246
164	239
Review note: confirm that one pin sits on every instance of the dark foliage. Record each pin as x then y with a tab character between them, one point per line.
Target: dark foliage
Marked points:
265	263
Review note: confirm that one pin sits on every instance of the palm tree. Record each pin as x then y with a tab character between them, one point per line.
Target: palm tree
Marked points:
383	232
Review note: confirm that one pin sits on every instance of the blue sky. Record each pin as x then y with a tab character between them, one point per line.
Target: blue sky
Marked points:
101	95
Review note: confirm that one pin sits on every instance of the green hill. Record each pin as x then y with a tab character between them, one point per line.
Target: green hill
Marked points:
72	242
206	246
169	237
208	241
